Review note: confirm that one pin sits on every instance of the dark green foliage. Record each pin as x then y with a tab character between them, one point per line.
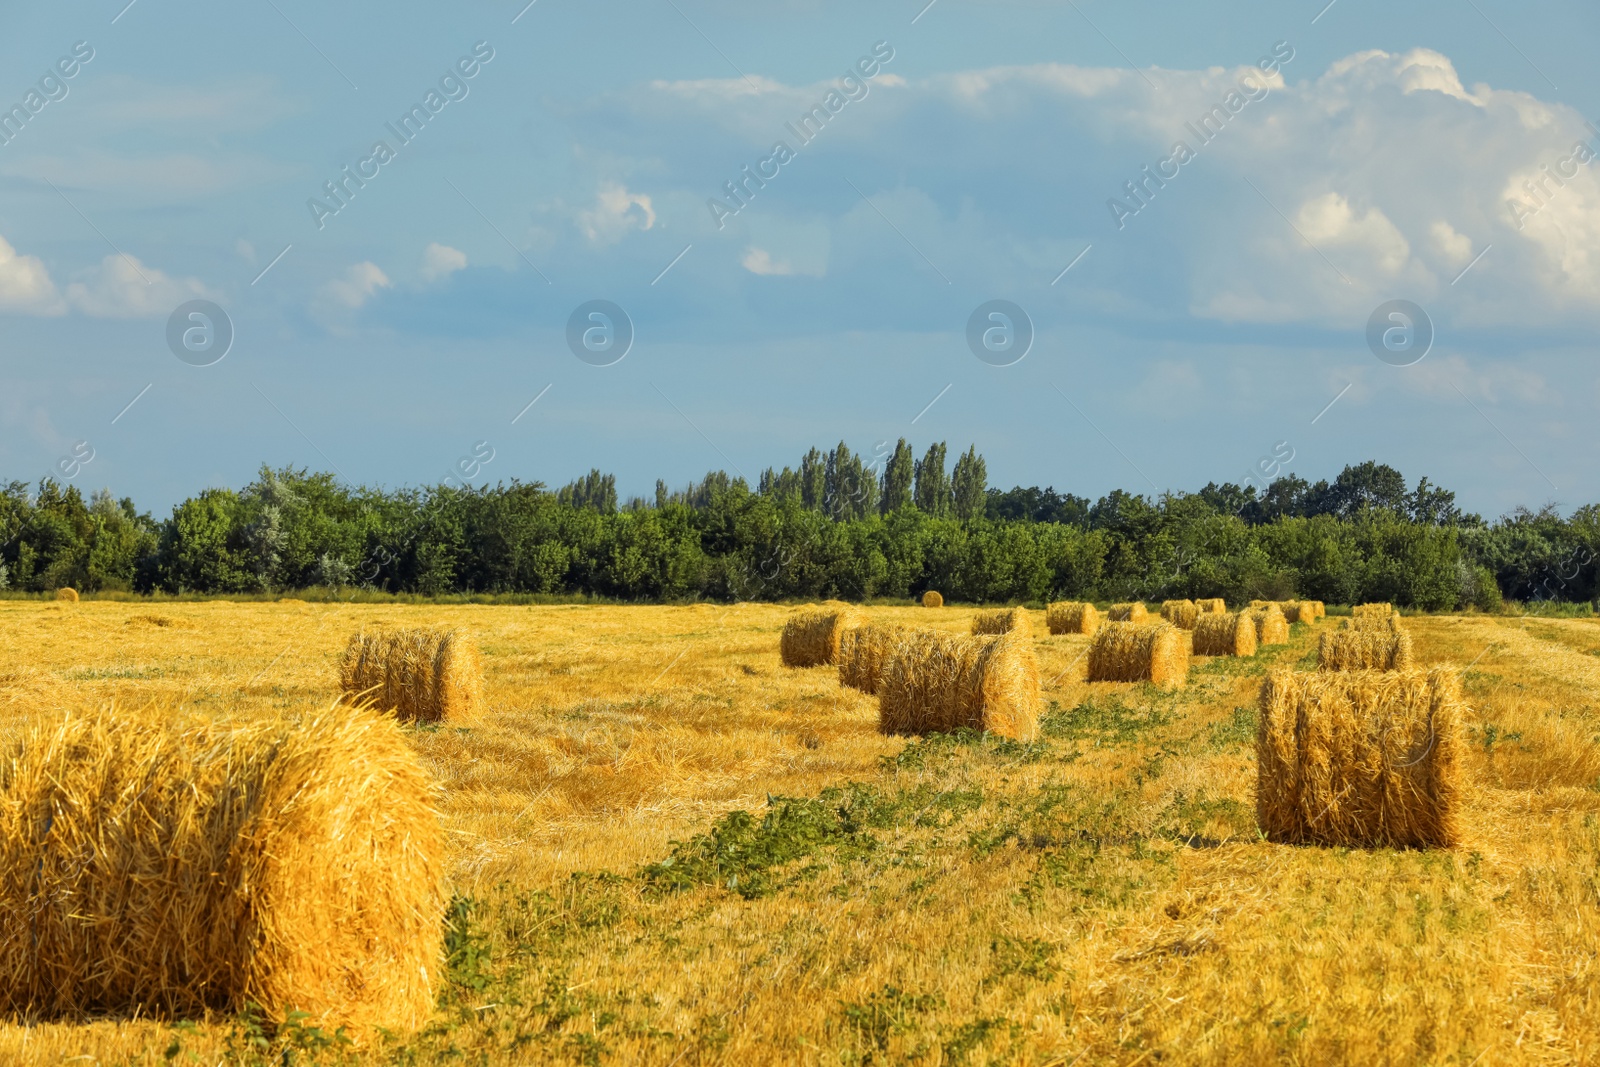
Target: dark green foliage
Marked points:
838	526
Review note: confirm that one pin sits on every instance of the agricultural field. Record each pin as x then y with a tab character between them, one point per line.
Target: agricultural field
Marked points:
666	848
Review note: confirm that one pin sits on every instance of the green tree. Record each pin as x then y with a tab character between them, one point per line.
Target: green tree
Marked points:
897	477
932	491
969	485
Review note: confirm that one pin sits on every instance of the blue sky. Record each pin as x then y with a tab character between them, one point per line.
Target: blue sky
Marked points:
1223	317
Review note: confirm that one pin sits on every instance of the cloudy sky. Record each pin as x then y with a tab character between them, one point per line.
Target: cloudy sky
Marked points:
1197	209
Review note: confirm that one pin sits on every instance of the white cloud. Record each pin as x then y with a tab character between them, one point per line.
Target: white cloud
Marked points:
759	261
1456	248
357	285
1330	220
25	285
441	261
615	213
121	287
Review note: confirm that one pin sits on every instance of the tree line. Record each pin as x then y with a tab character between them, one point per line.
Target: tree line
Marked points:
840	524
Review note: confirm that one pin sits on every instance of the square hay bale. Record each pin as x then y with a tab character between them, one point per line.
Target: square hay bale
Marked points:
863	650
1364	648
1155	652
1180	613
811	637
1361	758
1132	611
937	682
932	599
421	675
1004	621
161	862
1071	617
1271	627
1214	605
1225	635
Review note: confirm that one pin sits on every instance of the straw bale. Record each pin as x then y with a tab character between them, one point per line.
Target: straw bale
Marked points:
1381	610
811	637
932	599
1213	605
1133	611
67	593
1271	627
1360	758
1364	648
937	682
1071	617
1180	613
863	651
1004	621
1374	623
426	675
1139	652
156	862
1225	635
1307	611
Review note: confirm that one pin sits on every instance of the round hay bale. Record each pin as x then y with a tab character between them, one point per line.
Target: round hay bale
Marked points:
1133	611
863	650
932	599
1156	652
421	675
1071	617
811	637
1381	610
1360	758
1225	635
1365	648
1180	613
1003	621
1271	627
1212	605
937	682
154	862
67	593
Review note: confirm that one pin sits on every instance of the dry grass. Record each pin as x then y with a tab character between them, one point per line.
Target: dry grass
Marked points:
1361	758
863	651
941	682
811	638
932	599
1155	652
1099	895
1357	649
1212	605
1003	621
1180	613
154	861
1134	611
1071	617
418	674
1225	635
1271	627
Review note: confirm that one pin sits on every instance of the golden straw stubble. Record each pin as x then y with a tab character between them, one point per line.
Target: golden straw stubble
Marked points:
937	682
811	637
1155	652
1225	635
1071	617
863	650
1002	621
154	862
1361	758
421	675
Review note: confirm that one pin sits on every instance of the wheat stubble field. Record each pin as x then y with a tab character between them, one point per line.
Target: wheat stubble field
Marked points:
1100	895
